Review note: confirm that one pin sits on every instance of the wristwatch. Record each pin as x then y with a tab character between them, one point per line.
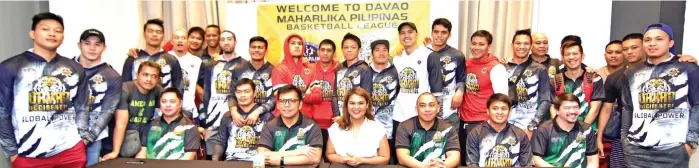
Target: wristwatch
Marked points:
531	127
693	145
281	161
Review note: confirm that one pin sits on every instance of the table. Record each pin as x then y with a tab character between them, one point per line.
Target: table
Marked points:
144	163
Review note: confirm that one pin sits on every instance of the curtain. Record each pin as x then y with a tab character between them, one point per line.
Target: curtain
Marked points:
183	14
501	18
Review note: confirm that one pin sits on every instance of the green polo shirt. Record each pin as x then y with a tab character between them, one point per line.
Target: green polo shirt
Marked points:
562	148
170	141
276	136
426	144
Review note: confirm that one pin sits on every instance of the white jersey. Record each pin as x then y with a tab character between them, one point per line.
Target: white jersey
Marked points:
190	65
413	81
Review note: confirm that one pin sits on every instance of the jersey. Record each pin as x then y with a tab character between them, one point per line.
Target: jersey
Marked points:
44	107
451	67
413	80
384	95
262	78
347	77
489	148
217	81
104	84
170	70
529	89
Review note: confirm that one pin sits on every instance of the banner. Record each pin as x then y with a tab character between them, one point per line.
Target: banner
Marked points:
370	21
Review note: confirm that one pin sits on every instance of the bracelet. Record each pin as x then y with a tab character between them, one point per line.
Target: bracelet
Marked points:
281	161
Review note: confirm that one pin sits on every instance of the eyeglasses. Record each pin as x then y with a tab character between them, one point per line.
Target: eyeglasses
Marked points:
286	101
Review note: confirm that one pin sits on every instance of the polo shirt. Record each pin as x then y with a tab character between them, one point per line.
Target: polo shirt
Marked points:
490	148
170	141
276	136
562	148
576	88
426	144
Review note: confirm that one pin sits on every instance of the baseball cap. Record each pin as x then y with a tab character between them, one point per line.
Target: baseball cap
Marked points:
377	42
92	32
664	27
411	24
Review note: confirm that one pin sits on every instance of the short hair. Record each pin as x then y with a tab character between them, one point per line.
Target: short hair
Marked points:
172	90
231	33
288	89
499	97
196	29
571	44
155	22
632	36
350	36
149	64
613	42
485	34
575	38
345	123
526	32
46	16
328	42
442	21
257	38
558	100
245	81
424	94
214	26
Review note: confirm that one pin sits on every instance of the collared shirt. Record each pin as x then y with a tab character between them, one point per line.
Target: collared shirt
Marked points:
489	148
276	136
170	141
426	144
562	148
575	86
365	144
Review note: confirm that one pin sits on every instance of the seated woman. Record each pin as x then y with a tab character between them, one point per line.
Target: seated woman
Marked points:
356	138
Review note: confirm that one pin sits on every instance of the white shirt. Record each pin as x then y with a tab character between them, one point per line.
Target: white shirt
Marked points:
413	81
366	144
498	77
190	73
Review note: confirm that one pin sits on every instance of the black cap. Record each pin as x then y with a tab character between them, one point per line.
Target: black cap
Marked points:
92	32
377	42
411	24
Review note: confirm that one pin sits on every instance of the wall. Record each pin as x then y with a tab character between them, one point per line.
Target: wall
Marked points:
118	20
633	17
691	37
16	19
246	27
590	21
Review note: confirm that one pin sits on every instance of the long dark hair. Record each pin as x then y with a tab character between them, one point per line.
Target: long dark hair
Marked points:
345	122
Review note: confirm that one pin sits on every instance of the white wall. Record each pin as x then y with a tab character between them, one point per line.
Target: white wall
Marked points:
590	21
118	20
691	29
246	27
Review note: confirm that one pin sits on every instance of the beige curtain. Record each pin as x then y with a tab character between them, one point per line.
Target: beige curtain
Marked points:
501	18
183	14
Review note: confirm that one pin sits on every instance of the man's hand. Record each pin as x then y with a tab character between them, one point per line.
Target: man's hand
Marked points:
133	52
272	159
238	120
427	41
335	119
437	163
309	90
13	158
202	132
252	118
687	58
110	156
600	148
689	149
456	100
306	151
529	133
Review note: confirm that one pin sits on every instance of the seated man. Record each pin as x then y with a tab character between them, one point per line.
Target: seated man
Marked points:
425	141
498	143
565	141
291	138
240	141
173	136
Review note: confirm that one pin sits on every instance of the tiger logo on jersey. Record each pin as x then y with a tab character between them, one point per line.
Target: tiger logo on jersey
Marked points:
223	82
260	92
656	93
408	80
48	94
97	89
298	82
472	83
327	90
498	156
185	78
379	95
342	87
